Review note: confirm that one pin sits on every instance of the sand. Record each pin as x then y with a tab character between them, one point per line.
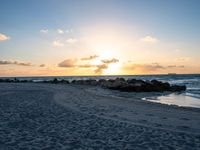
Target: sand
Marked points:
51	116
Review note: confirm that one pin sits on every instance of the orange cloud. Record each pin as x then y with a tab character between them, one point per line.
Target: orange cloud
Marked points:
68	63
143	67
107	61
73	63
90	57
7	62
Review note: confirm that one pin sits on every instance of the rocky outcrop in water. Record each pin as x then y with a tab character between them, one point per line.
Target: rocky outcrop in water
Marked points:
132	85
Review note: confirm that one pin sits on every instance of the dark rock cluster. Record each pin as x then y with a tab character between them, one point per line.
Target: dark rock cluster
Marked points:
55	81
15	80
130	85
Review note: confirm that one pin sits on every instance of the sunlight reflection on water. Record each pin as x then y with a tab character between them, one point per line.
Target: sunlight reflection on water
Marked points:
176	99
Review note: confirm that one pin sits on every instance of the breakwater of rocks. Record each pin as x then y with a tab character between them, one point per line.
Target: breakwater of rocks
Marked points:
120	84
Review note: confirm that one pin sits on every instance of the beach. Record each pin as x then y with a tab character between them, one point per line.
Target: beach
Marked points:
66	116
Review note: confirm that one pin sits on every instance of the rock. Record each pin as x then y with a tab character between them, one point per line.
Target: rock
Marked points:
77	82
102	82
55	80
93	82
73	81
85	82
106	84
177	88
118	83
135	82
159	86
64	81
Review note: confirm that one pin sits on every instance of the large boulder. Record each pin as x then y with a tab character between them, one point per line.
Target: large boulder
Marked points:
177	88
93	82
159	86
64	81
117	84
106	84
90	82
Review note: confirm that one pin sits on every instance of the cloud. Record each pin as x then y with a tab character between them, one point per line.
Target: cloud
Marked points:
149	39
183	59
44	31
69	31
60	31
8	62
71	40
86	66
145	67
68	63
58	43
42	65
3	37
106	61
73	63
90	57
100	68
175	66
150	67
105	65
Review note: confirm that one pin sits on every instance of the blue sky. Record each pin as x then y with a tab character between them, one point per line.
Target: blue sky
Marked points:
175	24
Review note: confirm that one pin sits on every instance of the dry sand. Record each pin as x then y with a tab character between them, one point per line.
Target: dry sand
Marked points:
48	116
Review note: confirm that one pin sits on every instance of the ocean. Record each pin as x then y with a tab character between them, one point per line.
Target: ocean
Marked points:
189	98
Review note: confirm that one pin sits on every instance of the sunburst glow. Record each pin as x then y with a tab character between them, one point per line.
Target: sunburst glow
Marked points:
112	69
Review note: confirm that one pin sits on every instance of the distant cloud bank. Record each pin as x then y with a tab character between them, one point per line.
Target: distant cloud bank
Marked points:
8	62
151	67
98	69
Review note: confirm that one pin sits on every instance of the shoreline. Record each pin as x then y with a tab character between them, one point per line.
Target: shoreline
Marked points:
60	115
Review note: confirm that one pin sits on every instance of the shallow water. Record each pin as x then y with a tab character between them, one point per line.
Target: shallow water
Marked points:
176	99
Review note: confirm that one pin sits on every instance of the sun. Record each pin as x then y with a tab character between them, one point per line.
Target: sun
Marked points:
112	69
107	52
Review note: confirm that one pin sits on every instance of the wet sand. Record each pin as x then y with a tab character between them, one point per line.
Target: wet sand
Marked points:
52	116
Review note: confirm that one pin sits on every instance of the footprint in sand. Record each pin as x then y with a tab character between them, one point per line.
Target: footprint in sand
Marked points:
164	117
142	121
158	125
149	114
186	119
135	113
183	127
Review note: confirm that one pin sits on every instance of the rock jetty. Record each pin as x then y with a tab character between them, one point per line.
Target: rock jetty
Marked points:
130	85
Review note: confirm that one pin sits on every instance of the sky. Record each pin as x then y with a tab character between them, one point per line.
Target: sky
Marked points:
99	37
